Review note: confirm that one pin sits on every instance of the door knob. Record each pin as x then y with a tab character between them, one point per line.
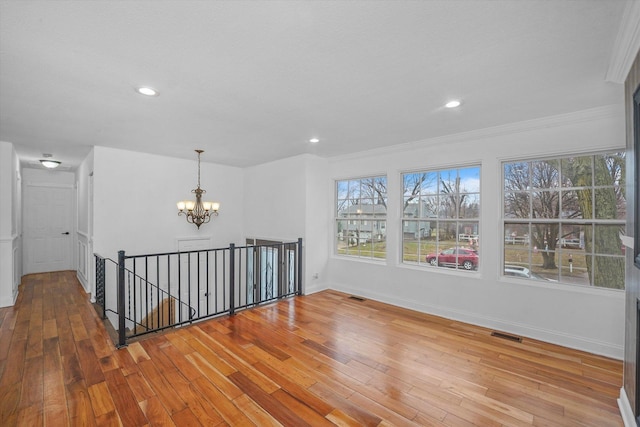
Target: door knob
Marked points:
66	232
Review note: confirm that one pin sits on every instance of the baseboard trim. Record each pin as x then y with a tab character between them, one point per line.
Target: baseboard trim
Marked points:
308	290
9	301
84	282
552	337
625	410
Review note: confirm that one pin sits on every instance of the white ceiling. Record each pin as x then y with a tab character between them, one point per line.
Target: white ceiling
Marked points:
250	82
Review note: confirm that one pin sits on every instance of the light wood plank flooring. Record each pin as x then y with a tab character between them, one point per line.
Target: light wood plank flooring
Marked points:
317	360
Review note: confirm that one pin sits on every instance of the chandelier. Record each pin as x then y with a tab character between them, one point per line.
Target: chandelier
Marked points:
198	212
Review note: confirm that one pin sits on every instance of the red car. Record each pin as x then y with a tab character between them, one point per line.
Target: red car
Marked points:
455	257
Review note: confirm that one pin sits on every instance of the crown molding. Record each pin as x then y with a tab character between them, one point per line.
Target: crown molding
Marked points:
592	114
627	44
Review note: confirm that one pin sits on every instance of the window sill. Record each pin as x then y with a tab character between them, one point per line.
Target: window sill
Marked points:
441	270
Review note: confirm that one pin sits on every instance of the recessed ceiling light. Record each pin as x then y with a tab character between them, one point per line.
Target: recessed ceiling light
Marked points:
453	104
314	140
147	91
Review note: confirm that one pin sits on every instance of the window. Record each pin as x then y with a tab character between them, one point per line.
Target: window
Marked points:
361	217
563	217
441	218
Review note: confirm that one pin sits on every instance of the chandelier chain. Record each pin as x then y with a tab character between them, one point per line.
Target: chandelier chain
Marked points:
199	152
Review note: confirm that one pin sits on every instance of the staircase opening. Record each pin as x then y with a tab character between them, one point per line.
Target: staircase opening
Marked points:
140	294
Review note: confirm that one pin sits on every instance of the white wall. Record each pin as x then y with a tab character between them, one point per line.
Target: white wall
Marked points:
82	182
10	224
134	206
31	176
274	199
85	262
579	317
285	200
319	223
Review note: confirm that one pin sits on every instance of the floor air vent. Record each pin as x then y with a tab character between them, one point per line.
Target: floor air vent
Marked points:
356	298
506	336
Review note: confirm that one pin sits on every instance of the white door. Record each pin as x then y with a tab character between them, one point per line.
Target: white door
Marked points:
48	228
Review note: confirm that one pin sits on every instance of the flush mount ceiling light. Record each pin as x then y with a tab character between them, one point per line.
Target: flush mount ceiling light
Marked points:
51	164
198	212
48	163
453	104
314	140
147	91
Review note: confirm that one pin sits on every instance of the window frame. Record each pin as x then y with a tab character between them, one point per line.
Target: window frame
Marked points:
565	247
373	219
428	192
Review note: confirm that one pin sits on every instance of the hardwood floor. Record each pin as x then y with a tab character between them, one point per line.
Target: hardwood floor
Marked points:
317	360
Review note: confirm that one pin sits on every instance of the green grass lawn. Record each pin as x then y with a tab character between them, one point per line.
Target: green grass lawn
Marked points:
415	251
412	249
376	249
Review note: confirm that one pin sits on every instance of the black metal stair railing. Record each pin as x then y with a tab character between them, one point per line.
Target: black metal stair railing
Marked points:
100	283
153	292
134	323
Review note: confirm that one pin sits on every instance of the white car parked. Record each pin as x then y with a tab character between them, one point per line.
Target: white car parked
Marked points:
524	272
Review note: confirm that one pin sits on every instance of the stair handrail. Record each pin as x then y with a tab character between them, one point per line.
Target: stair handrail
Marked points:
192	310
165	294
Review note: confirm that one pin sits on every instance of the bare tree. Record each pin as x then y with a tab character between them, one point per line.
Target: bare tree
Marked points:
412	184
531	191
453	199
553	189
607	173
